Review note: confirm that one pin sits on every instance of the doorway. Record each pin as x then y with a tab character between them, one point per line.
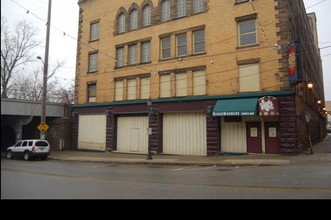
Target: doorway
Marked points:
254	141
272	141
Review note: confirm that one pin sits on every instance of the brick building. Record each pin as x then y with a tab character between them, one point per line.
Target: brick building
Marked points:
197	77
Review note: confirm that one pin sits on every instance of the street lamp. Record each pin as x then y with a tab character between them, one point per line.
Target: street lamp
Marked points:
149	130
45	63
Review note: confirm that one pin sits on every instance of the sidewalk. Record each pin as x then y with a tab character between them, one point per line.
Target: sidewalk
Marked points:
322	155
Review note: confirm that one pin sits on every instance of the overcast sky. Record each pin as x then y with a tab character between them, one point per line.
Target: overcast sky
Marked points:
65	24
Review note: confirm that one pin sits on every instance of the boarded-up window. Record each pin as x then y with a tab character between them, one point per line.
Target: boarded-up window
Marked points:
165	86
131	89
249	78
119	90
199	83
145	88
181	84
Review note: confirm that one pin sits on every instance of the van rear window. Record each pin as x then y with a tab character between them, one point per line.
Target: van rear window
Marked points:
41	144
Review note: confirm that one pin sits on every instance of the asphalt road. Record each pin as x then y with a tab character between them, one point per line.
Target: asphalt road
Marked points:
77	180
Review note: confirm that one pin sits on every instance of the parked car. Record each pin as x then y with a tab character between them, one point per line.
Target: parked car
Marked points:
29	149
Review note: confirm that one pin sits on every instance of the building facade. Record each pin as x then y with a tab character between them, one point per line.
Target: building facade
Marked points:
197	77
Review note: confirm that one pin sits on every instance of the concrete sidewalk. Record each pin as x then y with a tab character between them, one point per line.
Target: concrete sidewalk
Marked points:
321	155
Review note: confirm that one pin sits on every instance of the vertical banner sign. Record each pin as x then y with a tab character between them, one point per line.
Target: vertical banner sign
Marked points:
268	106
294	63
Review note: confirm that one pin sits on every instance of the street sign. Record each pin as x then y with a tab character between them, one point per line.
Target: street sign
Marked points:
43	127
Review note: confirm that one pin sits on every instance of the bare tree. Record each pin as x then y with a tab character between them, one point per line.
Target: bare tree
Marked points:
16	48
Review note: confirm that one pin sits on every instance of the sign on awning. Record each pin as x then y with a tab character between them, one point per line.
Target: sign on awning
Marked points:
268	106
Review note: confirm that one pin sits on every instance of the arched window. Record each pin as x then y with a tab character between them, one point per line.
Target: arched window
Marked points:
134	19
147	16
165	10
198	6
121	23
181	6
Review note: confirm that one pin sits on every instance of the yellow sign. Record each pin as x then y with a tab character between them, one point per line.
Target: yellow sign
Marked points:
43	127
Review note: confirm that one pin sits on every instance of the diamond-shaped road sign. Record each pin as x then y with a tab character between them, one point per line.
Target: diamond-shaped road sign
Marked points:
43	127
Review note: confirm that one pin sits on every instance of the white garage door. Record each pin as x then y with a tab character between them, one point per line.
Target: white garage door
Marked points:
184	134
92	132
132	134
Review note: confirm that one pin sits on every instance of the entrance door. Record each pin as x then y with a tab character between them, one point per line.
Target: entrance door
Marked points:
254	142
272	141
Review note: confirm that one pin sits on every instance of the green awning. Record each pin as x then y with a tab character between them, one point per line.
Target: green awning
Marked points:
236	107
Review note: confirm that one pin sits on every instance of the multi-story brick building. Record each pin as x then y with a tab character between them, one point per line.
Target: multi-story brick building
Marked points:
205	76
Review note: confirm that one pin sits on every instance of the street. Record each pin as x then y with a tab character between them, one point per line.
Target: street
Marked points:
78	180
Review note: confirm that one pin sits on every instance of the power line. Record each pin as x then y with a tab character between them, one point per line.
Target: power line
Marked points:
316	4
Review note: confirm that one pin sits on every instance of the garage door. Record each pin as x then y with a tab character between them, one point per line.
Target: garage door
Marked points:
184	134
132	134
92	132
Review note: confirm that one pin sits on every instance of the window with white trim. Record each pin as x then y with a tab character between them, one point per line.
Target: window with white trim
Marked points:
121	23
181	7
134	19
247	32
165	10
93	62
92	92
147	16
94	31
166	47
146	52
199	41
181	41
198	6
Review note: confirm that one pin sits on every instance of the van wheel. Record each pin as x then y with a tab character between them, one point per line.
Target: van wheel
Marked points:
9	155
26	156
43	158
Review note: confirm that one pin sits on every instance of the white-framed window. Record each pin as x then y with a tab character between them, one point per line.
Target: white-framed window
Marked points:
133	54
134	19
94	31
181	7
166	47
199	41
120	57
165	10
181	41
249	77
247	32
147	16
146	52
93	62
92	92
121	23
198	6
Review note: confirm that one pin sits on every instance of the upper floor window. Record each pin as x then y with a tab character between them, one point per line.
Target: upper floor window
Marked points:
147	16
92	92
166	48
181	41
121	23
120	57
249	77
165	10
199	41
94	31
198	6
93	62
133	54
181	8
134	19
146	52
247	32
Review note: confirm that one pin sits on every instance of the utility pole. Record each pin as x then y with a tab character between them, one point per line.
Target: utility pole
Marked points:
45	75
